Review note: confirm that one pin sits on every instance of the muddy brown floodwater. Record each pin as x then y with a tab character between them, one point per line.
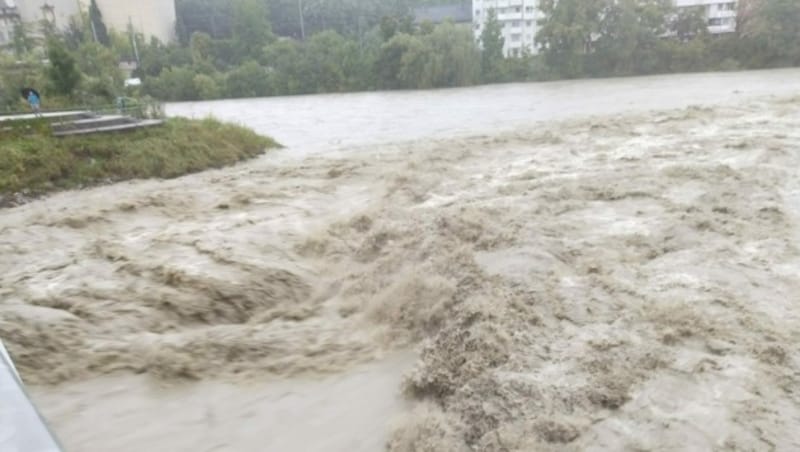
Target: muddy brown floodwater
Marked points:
601	265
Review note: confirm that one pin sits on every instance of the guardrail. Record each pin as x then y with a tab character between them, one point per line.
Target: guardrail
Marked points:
137	108
21	425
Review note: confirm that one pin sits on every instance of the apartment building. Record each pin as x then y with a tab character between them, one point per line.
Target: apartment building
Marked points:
57	12
152	18
9	17
720	14
518	21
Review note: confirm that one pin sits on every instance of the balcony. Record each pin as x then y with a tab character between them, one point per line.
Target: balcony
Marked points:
722	14
509	16
720	29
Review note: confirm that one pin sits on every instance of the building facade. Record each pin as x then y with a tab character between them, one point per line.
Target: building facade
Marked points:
518	21
57	12
720	14
152	18
9	17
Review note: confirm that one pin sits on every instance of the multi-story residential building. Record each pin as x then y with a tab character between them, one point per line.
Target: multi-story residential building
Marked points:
152	18
518	20
57	12
720	14
9	17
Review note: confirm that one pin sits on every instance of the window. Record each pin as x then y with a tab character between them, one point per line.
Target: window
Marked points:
529	9
528	23
477	12
714	21
515	24
517	9
726	6
516	37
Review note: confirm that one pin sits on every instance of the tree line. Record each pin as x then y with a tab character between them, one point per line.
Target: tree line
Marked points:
248	48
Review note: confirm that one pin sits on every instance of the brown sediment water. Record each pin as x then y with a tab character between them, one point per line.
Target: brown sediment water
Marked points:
623	280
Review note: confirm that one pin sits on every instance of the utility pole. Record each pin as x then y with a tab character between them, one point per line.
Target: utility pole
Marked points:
94	31
302	21
133	40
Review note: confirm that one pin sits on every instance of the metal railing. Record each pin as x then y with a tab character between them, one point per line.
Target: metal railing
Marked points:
137	108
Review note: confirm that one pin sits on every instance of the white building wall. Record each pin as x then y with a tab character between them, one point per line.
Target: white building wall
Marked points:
149	17
33	11
518	20
720	14
9	16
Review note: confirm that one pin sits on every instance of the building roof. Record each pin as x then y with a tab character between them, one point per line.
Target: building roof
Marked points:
458	13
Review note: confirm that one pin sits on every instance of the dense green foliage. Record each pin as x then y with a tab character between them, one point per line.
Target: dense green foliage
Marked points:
577	38
38	162
245	48
347	17
492	41
585	38
63	70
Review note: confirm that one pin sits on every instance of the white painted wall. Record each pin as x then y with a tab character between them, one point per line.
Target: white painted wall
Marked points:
720	14
30	11
518	19
149	17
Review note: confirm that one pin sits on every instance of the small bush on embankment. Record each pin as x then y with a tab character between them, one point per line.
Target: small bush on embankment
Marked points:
34	162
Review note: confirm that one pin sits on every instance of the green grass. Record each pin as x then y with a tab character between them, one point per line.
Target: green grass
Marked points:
33	161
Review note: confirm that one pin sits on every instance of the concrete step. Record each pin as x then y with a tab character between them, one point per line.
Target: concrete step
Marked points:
93	123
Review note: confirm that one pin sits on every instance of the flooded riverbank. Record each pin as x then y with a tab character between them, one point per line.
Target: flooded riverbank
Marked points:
611	281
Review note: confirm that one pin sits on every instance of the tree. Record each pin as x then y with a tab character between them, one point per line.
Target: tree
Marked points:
285	68
175	83
769	34
330	62
629	38
202	47
454	58
63	71
415	71
492	43
392	68
99	29
566	33
251	28
22	41
248	80
206	86
690	23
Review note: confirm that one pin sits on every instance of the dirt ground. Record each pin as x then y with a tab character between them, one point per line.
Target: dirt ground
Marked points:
612	283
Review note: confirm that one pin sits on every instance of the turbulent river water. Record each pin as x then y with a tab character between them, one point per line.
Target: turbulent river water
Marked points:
582	265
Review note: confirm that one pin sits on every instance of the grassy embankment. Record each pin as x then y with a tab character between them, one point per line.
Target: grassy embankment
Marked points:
34	162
